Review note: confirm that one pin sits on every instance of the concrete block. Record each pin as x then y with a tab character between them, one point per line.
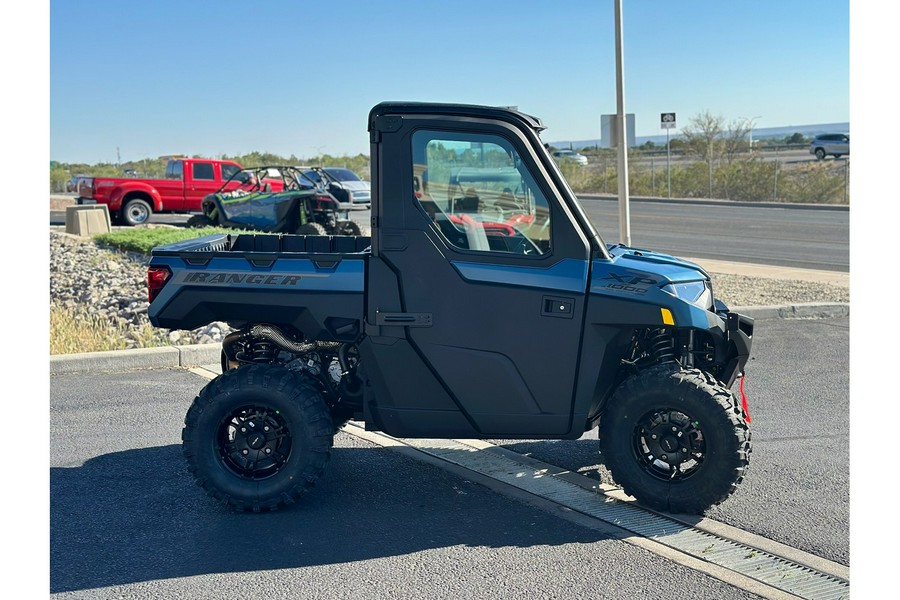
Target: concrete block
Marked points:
88	219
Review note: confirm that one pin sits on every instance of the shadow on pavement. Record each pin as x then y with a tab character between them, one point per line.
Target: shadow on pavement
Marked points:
137	516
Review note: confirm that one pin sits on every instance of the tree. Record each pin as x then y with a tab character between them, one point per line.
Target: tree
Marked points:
735	139
702	137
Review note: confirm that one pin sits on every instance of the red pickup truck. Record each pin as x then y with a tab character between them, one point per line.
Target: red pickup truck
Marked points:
131	200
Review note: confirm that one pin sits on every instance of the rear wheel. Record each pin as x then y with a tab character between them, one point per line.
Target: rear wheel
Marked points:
676	440
311	229
347	228
136	212
257	437
820	153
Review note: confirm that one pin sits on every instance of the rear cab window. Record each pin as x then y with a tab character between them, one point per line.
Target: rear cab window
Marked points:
203	170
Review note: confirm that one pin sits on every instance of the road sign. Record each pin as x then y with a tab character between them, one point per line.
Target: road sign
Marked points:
608	134
667	121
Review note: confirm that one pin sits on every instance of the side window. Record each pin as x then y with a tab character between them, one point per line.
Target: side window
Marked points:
228	171
174	169
203	171
479	193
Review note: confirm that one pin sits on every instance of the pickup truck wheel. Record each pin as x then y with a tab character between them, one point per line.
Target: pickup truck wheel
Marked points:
136	212
311	229
675	439
257	437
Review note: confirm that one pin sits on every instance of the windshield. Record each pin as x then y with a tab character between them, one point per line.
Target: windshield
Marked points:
342	174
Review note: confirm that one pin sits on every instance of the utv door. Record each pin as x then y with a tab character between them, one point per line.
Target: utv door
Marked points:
475	296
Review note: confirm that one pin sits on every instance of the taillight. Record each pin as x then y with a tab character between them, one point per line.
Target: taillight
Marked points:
156	279
324	201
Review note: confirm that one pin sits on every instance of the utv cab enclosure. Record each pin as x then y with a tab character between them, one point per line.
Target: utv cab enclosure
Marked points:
494	311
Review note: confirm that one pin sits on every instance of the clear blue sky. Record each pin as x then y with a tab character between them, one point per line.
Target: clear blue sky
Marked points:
289	77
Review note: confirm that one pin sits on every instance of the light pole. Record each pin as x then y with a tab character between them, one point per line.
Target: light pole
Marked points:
751	120
622	137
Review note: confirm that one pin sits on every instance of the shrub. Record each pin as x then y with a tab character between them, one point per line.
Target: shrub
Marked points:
143	240
812	184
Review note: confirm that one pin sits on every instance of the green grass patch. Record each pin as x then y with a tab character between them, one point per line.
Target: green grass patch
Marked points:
143	240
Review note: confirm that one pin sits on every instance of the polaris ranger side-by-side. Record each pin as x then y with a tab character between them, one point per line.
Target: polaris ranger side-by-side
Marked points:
488	309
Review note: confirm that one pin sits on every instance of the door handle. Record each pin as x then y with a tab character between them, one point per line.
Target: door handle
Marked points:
557	306
403	319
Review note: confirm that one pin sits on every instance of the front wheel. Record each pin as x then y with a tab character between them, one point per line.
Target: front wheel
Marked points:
675	439
136	212
199	221
257	437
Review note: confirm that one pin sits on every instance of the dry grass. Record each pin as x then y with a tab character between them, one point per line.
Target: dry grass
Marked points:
76	331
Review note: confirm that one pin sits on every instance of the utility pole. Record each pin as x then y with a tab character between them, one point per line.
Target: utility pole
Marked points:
668	168
622	150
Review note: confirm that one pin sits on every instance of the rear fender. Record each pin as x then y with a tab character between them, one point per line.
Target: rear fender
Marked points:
123	193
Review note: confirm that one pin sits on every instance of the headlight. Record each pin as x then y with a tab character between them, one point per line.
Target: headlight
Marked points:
698	293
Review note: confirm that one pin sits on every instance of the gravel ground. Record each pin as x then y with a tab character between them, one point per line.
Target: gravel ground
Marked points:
113	285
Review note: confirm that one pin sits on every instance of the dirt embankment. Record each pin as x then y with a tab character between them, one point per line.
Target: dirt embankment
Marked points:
60	202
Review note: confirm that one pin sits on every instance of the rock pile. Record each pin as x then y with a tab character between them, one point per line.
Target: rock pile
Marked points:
111	285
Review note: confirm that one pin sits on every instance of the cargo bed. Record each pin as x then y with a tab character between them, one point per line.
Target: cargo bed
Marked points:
311	283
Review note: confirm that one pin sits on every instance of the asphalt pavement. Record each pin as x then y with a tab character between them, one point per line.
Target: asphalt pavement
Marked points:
127	521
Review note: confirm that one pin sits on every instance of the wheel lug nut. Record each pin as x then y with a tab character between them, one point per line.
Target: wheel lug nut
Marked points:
245	451
684	450
653	437
243	430
268	451
266	428
664	457
674	428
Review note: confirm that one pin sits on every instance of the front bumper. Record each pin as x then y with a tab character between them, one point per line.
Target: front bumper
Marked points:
738	338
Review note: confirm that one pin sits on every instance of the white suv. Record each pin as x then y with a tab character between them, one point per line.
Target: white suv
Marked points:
561	155
835	144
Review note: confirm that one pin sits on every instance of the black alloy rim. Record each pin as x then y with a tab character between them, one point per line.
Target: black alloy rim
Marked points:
254	442
669	445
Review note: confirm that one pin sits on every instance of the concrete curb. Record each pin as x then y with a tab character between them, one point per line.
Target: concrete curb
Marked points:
140	358
197	355
810	310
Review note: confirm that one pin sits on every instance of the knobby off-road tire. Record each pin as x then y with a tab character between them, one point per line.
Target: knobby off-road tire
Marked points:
199	221
347	228
257	437
701	449
311	229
